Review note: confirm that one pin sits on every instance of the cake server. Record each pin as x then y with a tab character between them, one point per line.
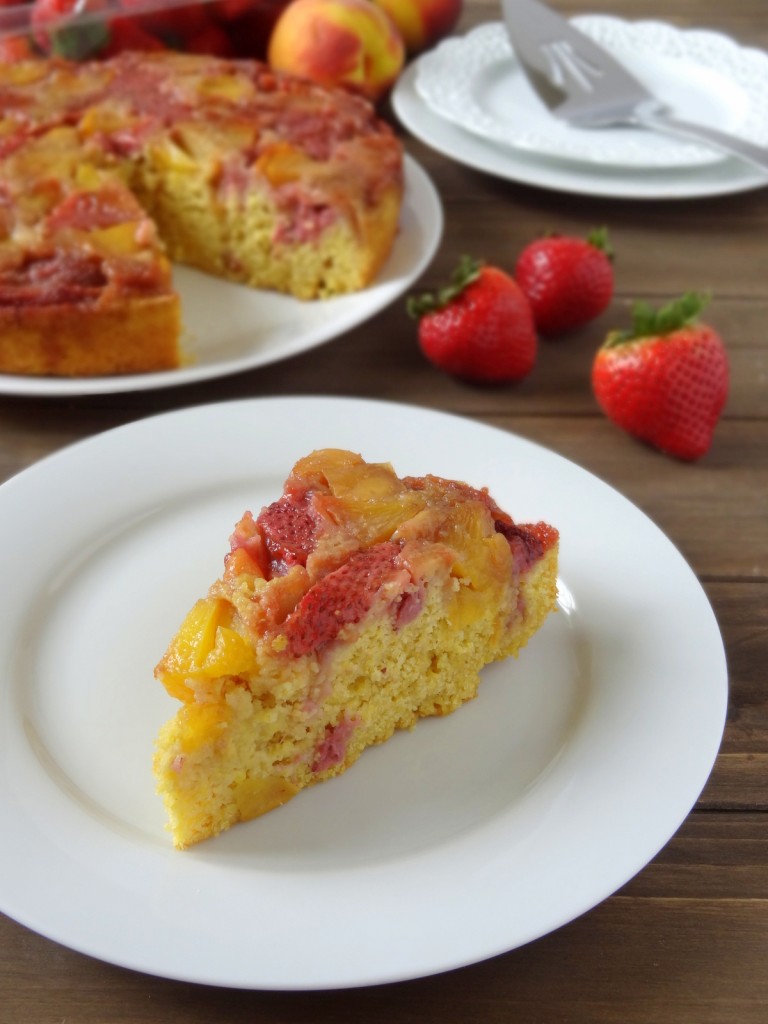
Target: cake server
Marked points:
583	84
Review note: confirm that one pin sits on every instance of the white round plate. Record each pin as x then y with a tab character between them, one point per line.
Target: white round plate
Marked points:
467	837
726	177
477	83
230	328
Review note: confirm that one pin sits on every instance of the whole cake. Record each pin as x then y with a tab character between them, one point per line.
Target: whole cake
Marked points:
110	169
349	608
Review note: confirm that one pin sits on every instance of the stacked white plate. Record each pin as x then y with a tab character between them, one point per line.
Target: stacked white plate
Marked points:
470	99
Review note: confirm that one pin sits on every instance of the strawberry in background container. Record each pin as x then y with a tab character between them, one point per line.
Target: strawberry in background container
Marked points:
250	23
93	29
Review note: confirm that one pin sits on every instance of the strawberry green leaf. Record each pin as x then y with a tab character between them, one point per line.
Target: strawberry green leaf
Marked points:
465	273
598	237
648	322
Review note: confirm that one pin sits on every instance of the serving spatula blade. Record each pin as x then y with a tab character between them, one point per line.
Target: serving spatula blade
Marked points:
583	84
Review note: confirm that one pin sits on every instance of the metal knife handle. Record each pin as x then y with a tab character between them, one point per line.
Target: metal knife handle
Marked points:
757	155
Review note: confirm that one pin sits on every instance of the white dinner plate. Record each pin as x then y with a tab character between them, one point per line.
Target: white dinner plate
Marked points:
726	177
467	837
476	82
229	328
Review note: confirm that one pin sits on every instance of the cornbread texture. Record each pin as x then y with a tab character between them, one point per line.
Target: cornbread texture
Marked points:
348	609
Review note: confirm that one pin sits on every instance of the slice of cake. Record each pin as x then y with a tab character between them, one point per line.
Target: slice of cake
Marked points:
352	606
109	169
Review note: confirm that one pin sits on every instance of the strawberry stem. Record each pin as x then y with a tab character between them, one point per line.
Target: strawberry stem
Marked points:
648	322
598	237
465	273
76	42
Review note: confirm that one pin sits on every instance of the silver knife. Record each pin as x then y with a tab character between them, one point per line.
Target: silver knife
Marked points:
581	83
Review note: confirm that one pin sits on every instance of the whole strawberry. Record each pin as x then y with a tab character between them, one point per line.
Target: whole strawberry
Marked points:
568	281
480	327
666	380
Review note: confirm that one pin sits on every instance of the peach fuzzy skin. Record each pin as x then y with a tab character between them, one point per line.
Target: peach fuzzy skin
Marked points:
422	23
350	43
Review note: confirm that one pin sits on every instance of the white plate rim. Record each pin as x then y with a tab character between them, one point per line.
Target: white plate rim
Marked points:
447	76
727	177
421	231
401	905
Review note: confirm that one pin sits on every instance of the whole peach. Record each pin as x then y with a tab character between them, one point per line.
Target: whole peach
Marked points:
352	43
422	23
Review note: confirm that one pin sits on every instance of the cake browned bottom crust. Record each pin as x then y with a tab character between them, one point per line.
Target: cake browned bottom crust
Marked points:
351	607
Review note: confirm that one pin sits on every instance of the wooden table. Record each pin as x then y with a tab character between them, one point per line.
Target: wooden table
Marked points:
686	941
